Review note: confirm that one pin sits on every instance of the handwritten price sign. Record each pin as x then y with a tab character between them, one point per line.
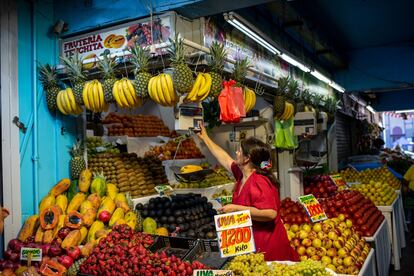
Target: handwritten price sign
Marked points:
207	272
235	233
312	207
337	179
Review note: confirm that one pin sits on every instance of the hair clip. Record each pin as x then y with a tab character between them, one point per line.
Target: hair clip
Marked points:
265	165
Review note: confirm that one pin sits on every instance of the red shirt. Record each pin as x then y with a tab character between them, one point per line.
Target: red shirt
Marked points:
270	237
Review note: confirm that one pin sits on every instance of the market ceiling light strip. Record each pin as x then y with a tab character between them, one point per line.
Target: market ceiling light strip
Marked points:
245	27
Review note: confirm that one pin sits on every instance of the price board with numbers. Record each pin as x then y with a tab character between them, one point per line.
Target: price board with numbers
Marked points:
338	180
235	234
313	208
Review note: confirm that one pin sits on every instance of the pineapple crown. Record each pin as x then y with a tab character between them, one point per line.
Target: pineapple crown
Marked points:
282	85
331	104
74	67
306	96
47	75
176	50
218	56
77	149
240	70
316	100
99	175
140	57
106	66
293	89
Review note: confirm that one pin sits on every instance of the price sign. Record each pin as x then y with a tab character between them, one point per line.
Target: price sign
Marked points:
312	207
164	190
337	179
224	200
235	233
36	254
207	272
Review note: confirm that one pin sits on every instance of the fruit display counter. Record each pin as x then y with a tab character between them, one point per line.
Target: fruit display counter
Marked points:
381	174
380	193
382	244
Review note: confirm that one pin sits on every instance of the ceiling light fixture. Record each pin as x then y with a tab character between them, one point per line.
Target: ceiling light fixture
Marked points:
405	111
370	108
251	31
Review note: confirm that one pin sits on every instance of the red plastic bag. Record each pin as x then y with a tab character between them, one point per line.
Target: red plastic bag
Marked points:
231	103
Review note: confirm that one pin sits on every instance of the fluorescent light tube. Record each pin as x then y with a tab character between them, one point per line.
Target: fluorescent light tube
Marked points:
250	33
321	77
294	62
404	111
369	108
336	86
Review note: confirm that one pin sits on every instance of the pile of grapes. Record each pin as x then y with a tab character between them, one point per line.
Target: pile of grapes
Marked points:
251	264
305	268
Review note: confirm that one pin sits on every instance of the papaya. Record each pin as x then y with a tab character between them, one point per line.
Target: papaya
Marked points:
118	214
72	239
60	225
97	225
120	221
98	185
111	191
123	205
46	202
76	202
95	199
62	202
102	233
89	217
84	233
73	220
87	249
162	231
39	235
49	218
107	205
85	179
60	187
48	236
52	268
149	226
85	206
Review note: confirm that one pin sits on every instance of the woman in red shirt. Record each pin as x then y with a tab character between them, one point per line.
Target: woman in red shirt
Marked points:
256	190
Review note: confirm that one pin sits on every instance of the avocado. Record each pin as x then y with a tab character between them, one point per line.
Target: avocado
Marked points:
177	213
151	206
200	235
193	225
164	219
171	219
167	212
167	204
139	207
159	213
182	227
204	199
159	206
152	213
180	220
145	213
152	200
210	205
145	206
191	233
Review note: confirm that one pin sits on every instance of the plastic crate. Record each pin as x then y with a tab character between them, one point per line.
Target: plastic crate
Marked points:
180	247
207	252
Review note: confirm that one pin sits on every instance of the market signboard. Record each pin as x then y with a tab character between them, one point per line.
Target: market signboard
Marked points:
115	40
235	233
313	208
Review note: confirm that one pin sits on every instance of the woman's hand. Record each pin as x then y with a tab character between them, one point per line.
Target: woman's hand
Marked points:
230	208
202	135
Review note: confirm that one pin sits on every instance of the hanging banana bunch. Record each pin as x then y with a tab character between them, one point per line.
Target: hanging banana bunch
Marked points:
124	94
161	90
93	96
249	99
201	88
66	103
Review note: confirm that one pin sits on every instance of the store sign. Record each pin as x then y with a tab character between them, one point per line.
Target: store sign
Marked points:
235	233
35	253
337	179
313	208
207	272
117	39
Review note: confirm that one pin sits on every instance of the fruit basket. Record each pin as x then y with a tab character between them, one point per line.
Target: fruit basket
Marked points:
196	176
179	247
207	252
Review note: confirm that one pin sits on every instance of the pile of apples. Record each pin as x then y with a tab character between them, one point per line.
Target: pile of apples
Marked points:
382	174
379	193
352	205
320	186
334	242
293	212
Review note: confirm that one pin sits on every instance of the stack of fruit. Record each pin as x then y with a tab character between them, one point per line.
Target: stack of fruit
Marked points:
130	173
96	144
218	177
379	193
188	215
250	264
333	242
352	205
307	267
381	174
124	252
135	125
293	212
321	186
187	150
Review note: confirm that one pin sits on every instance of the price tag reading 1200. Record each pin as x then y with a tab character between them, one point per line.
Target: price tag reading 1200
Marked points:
235	233
312	207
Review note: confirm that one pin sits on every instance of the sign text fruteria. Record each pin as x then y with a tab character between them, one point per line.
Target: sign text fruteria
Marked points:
235	233
313	208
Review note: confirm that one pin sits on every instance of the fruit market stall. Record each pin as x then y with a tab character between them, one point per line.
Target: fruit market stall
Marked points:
381	242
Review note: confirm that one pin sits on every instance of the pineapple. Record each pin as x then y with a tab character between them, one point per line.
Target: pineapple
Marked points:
140	59
218	56
240	71
75	267
77	162
292	90
75	71
106	66
48	77
300	106
280	98
182	75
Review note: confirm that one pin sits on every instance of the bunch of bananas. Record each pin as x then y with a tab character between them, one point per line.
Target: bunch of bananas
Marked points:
124	94
249	99
201	88
161	90
288	112
93	96
66	102
190	169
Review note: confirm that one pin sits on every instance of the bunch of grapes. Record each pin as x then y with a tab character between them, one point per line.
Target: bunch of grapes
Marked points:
304	268
249	265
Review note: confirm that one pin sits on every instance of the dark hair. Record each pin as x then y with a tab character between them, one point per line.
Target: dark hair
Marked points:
258	152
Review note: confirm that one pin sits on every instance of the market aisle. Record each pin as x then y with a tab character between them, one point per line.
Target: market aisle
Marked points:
407	263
